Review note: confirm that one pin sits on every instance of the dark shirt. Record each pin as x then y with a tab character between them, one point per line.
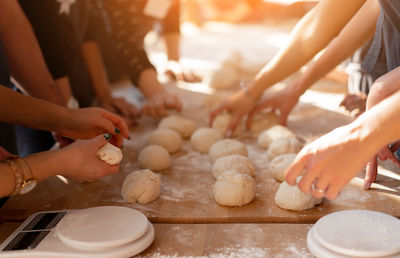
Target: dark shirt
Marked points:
384	53
129	26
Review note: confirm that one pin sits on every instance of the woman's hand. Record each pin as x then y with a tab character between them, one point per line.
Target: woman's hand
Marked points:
330	162
87	123
83	164
122	108
238	105
158	104
284	100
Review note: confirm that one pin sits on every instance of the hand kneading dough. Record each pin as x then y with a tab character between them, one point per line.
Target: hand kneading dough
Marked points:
279	164
263	122
142	186
110	154
272	134
283	146
225	148
234	189
183	126
235	162
291	198
154	157
222	121
203	138
167	138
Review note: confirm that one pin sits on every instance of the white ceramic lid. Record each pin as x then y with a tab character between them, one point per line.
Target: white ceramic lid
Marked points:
360	233
102	227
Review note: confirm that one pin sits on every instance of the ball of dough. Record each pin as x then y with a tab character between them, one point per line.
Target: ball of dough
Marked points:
226	147
183	126
142	186
204	137
167	138
222	122
224	78
110	154
235	162
234	189
291	198
263	122
272	134
279	164
154	157
283	146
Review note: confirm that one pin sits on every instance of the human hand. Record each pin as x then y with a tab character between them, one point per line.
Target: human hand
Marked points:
158	104
355	102
284	100
87	123
83	164
238	105
387	153
329	162
122	108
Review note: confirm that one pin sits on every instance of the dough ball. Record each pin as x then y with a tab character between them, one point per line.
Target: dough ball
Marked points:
234	189
235	162
154	157
226	147
272	134
183	126
279	164
234	59
291	198
110	154
224	78
167	138
142	186
203	138
283	146
222	122
263	122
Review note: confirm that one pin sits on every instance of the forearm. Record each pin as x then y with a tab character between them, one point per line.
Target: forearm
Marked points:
24	55
149	84
97	73
379	126
355	34
43	165
311	34
31	112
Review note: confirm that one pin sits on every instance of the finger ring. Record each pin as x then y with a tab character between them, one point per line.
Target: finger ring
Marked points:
318	190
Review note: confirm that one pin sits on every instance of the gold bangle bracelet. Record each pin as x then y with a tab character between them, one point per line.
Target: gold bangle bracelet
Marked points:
17	174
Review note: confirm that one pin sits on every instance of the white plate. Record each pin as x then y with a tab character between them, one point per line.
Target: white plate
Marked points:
360	233
101	228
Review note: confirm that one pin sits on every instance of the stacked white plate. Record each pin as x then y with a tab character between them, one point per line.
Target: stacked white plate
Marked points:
355	233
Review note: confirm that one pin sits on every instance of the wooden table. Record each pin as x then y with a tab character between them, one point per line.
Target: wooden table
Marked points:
194	221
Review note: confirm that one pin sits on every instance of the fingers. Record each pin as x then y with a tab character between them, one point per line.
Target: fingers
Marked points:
216	111
101	140
333	190
233	124
320	186
251	115
115	125
283	117
296	168
371	172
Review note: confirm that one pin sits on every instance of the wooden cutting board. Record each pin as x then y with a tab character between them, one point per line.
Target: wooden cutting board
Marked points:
186	195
